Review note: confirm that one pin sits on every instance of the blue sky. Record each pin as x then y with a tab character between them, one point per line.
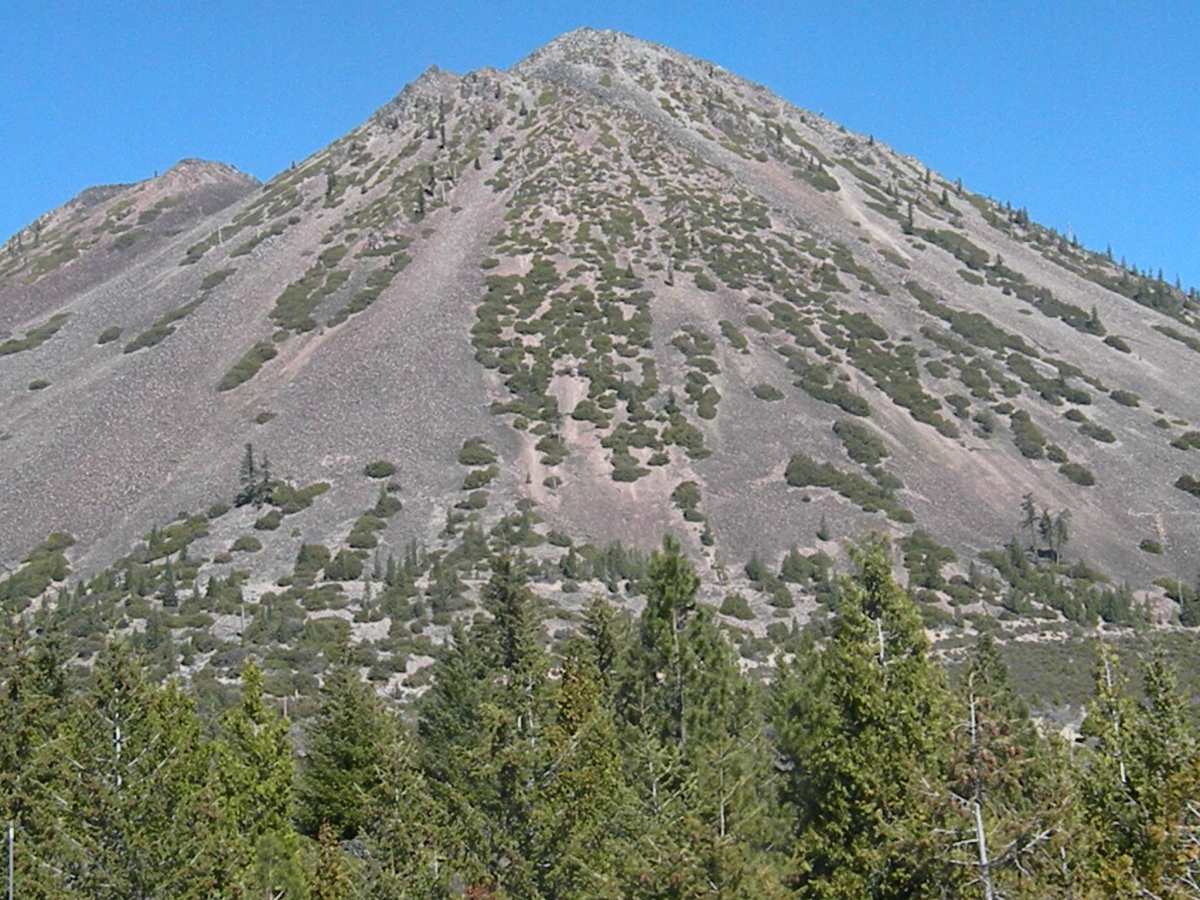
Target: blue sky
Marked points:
1086	113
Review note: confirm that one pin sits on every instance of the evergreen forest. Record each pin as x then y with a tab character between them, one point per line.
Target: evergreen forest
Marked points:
636	761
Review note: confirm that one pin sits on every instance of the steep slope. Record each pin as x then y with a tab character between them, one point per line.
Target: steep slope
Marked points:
104	231
659	296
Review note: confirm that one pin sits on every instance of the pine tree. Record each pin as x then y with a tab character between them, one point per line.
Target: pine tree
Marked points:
1046	530
1062	533
482	726
331	879
1009	789
409	841
255	772
862	725
671	586
1114	786
169	592
341	765
694	739
32	707
123	804
1029	517
584	815
247	477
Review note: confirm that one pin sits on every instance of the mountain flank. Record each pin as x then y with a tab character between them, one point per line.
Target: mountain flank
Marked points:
612	292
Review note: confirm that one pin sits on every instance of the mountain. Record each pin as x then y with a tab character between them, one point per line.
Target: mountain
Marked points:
611	292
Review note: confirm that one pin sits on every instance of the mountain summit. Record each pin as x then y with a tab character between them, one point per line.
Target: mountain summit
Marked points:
612	292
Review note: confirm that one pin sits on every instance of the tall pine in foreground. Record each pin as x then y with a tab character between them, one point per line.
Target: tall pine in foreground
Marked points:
1140	782
1010	826
861	725
123	804
694	738
341	763
255	770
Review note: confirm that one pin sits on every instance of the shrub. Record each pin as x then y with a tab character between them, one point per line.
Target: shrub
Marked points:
478	478
1150	546
737	606
291	500
346	566
1081	475
735	338
270	521
38	384
475	452
380	468
863	445
247	367
767	392
36	337
803	471
1126	398
109	334
1189	440
1097	433
1118	344
1189	484
1027	436
247	543
212	279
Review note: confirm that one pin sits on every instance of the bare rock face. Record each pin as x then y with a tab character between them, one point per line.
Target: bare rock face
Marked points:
662	297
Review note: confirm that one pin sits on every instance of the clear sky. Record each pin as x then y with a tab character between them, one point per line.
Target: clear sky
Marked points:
1087	112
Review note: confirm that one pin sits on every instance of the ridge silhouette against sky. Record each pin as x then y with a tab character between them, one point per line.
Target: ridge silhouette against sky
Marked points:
1087	113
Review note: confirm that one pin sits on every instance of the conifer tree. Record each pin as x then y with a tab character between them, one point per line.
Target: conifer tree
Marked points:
331	879
255	771
585	815
694	738
1009	789
410	843
341	765
1139	781
123	809
483	726
861	725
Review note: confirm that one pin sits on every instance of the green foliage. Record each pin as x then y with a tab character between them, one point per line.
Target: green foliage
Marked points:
857	724
35	337
45	564
862	444
1078	474
737	606
475	452
247	543
380	468
346	566
1027	436
767	392
647	765
1189	440
247	367
1118	343
804	471
1189	484
341	765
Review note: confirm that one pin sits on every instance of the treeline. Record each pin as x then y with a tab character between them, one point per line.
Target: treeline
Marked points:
639	762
